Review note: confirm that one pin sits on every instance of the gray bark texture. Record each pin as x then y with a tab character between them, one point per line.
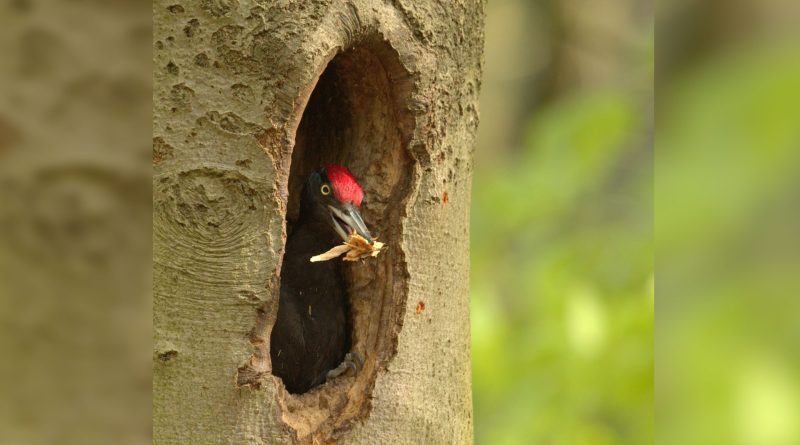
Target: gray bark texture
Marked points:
249	97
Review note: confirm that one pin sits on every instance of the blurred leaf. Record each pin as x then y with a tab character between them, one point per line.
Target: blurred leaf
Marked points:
561	276
727	197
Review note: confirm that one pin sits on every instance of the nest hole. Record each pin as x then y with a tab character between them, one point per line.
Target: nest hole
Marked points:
357	116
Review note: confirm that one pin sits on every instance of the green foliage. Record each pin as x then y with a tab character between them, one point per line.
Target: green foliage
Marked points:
562	280
727	175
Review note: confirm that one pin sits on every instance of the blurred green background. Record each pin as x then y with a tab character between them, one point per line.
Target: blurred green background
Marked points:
727	218
562	225
569	205
571	209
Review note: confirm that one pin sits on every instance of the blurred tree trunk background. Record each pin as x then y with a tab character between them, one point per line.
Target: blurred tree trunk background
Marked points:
539	51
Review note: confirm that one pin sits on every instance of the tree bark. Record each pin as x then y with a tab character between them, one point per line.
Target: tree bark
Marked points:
249	97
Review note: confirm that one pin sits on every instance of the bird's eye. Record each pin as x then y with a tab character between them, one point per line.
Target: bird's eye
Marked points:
325	189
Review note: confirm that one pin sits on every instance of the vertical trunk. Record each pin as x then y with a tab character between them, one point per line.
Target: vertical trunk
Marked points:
248	98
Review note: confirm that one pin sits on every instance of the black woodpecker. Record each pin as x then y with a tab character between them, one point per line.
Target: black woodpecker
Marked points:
311	337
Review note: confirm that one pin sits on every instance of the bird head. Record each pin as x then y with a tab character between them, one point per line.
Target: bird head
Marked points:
333	195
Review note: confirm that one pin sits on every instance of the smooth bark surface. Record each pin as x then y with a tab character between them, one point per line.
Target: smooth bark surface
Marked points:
248	97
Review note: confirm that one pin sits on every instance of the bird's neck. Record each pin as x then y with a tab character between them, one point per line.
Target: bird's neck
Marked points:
311	281
312	234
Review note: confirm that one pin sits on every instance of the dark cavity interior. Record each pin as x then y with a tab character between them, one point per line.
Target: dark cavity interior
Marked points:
357	116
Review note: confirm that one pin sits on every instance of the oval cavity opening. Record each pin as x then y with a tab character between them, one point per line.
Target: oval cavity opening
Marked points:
358	116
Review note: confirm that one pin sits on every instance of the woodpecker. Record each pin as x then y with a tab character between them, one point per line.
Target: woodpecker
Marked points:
311	337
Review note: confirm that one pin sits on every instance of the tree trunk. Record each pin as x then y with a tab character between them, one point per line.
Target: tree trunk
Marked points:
249	97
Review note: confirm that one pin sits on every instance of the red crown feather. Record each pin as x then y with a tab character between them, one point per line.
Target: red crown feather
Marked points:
345	187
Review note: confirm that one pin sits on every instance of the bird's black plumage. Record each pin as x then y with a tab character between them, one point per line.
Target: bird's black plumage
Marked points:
311	333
